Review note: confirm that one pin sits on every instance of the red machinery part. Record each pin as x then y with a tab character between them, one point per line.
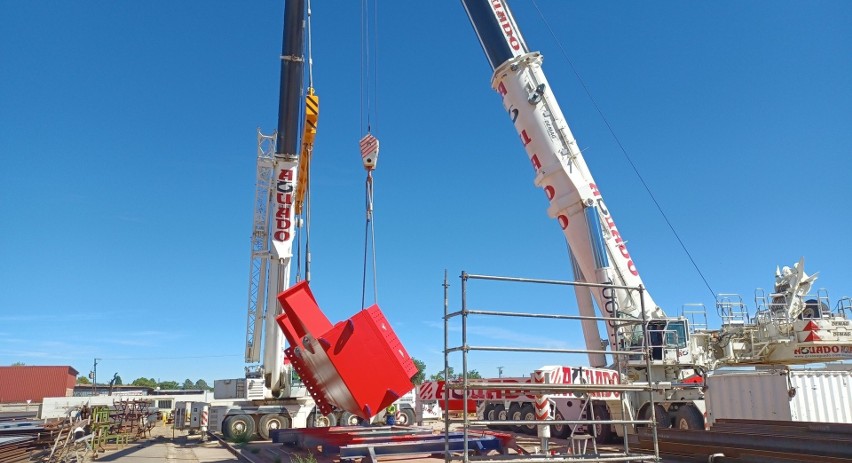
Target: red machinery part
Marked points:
358	365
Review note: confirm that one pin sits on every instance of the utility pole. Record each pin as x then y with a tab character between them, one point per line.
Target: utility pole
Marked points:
95	378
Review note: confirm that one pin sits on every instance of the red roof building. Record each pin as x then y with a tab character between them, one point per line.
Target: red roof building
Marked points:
34	383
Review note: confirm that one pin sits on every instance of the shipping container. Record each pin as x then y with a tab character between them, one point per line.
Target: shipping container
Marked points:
34	383
784	395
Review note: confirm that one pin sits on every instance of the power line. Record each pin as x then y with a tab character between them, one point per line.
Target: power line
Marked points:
624	150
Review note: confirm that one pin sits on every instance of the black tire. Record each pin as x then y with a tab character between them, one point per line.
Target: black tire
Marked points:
238	427
560	431
405	417
500	414
348	419
514	414
688	417
322	421
488	415
272	422
663	419
528	414
604	434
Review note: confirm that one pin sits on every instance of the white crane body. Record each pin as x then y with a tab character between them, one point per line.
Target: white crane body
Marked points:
599	254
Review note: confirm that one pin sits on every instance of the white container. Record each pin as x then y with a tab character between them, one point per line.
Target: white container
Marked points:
239	388
784	395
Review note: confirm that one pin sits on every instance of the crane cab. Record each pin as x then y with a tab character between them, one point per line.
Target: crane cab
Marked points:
668	340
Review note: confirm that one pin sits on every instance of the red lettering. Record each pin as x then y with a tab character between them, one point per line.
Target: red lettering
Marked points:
595	190
501	89
550	192
286	174
525	139
282	235
283	198
563	221
535	162
632	267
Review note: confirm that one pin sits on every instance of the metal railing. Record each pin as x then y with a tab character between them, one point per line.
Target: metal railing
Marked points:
587	393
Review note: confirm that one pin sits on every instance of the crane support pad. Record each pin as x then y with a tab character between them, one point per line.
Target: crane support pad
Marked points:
358	365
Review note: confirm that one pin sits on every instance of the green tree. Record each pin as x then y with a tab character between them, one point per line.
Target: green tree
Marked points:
418	377
201	384
188	384
439	376
83	380
145	382
19	364
117	380
169	385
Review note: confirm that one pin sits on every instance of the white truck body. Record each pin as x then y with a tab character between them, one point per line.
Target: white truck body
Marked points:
823	396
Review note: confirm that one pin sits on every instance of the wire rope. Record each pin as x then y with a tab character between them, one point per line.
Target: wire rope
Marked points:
622	148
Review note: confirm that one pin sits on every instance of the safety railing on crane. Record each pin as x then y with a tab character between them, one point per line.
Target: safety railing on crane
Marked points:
592	419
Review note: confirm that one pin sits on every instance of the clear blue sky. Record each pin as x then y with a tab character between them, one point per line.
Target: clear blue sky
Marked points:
127	139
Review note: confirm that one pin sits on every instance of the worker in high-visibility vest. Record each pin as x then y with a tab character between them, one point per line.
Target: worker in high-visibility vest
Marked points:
390	415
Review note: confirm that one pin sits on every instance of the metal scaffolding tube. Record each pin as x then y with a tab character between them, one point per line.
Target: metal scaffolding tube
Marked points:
545	315
582	391
467	348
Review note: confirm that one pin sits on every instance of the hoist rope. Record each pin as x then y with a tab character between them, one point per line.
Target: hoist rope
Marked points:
369	112
623	149
307	203
310	50
369	239
369	64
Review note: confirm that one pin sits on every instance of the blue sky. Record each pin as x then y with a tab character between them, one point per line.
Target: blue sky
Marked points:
127	139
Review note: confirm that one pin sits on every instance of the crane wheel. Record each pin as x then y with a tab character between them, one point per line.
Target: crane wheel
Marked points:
528	414
316	420
488	415
688	417
663	419
405	417
238	427
272	422
349	419
603	433
514	414
500	414
560	431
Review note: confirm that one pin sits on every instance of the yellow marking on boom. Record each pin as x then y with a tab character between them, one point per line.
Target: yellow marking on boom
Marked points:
308	136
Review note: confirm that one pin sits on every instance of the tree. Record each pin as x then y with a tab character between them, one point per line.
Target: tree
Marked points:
439	376
188	384
169	385
418	378
19	364
145	382
117	380
202	385
83	380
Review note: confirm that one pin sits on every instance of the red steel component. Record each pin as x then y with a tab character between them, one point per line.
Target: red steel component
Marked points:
358	365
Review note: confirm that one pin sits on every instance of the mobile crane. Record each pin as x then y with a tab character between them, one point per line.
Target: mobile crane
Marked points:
311	387
783	330
271	395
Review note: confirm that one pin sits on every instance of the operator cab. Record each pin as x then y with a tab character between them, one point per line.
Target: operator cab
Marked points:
666	338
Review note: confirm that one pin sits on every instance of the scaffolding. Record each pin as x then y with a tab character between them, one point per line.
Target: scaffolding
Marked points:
544	390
